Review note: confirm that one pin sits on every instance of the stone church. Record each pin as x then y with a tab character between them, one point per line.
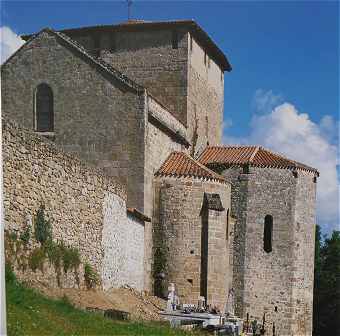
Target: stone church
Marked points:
142	102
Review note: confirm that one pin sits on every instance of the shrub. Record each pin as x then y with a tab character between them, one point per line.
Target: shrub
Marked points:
13	236
36	259
43	228
26	235
71	258
54	253
91	277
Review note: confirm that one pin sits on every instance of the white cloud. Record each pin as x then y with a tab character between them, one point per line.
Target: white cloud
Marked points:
9	43
265	101
285	130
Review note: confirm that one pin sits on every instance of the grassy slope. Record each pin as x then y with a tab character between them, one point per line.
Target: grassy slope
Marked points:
30	313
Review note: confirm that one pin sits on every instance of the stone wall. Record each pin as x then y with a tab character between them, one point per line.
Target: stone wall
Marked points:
205	97
303	254
178	225
158	146
266	282
95	116
186	80
87	209
149	58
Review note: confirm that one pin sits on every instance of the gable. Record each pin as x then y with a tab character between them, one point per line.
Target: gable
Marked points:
48	38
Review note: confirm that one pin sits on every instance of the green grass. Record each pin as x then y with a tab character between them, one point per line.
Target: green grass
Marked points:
30	313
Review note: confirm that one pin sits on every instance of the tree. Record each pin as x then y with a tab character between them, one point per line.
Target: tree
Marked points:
327	285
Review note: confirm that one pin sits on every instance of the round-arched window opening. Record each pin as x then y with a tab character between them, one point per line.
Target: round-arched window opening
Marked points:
43	112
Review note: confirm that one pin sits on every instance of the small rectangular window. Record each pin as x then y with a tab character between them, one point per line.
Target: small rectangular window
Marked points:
205	58
190	43
174	39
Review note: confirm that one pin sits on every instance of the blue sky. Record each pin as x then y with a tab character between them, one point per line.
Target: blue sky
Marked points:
281	52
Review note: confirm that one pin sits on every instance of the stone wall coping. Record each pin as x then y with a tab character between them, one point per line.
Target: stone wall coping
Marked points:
138	214
166	122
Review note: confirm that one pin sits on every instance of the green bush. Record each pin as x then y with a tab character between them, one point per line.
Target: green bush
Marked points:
71	258
91	277
13	236
26	235
43	228
36	259
54	253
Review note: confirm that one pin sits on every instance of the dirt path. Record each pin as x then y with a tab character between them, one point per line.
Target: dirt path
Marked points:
139	305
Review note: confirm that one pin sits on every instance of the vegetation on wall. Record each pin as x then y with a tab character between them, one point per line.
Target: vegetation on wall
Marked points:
27	252
91	277
326	310
42	227
159	262
36	259
26	235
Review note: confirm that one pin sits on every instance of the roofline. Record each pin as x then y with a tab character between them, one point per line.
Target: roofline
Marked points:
215	176
98	63
250	164
295	165
202	37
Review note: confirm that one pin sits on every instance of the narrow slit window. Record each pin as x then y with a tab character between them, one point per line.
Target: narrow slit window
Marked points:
227	229
44	115
268	233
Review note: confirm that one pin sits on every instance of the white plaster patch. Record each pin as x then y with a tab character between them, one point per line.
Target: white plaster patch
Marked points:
123	246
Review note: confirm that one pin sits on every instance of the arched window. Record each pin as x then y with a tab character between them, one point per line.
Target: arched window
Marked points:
44	116
268	233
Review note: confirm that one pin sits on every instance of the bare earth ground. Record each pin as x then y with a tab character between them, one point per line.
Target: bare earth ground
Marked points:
140	305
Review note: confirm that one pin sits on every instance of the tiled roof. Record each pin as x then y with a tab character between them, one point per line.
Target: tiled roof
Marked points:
180	164
252	155
99	63
133	25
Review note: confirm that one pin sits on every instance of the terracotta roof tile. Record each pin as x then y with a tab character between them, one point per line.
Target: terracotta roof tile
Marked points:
253	155
179	164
